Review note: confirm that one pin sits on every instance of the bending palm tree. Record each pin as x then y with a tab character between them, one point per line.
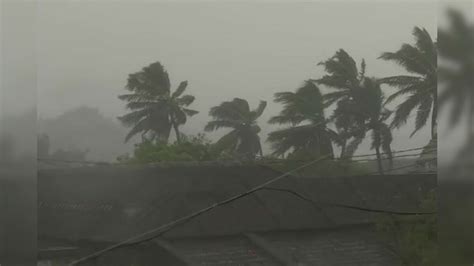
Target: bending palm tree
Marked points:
366	108
344	77
421	87
307	133
154	109
243	138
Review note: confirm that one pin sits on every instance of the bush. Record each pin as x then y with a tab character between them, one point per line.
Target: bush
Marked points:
194	148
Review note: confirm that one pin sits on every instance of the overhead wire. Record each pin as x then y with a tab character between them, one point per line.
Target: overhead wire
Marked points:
158	231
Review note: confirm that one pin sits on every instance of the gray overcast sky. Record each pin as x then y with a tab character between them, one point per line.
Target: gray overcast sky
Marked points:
85	50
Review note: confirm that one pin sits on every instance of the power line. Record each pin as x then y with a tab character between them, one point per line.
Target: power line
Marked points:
399	168
347	160
264	160
169	226
195	214
74	161
338	205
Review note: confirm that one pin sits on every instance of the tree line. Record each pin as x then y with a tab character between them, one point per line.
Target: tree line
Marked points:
358	103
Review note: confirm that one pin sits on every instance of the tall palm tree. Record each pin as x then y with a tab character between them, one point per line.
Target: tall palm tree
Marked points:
307	132
154	109
366	108
420	60
243	138
343	77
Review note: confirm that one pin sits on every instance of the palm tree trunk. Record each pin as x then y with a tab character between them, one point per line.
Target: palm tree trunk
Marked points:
379	159
343	149
178	134
434	116
260	149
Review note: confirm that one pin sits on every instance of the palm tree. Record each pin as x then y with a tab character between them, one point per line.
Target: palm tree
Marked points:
243	138
343	76
366	109
154	109
420	60
307	132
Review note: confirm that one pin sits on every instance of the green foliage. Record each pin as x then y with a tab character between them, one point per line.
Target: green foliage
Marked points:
414	239
194	148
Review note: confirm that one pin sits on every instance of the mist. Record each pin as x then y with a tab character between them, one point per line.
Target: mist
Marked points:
223	50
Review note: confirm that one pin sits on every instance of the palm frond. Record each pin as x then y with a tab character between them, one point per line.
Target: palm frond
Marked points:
415	88
179	116
190	112
217	124
401	80
133	117
227	111
332	97
135	97
259	110
157	77
185	100
411	59
179	91
314	139
422	114
425	43
143	105
227	142
241	105
342	68
141	126
404	109
287	119
304	104
284	97
335	82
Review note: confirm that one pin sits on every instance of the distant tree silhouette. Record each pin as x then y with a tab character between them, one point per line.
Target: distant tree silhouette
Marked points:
154	108
243	138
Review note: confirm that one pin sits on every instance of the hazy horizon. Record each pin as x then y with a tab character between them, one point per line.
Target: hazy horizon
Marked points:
224	50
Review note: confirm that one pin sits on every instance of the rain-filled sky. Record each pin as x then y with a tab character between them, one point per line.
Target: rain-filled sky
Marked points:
85	50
